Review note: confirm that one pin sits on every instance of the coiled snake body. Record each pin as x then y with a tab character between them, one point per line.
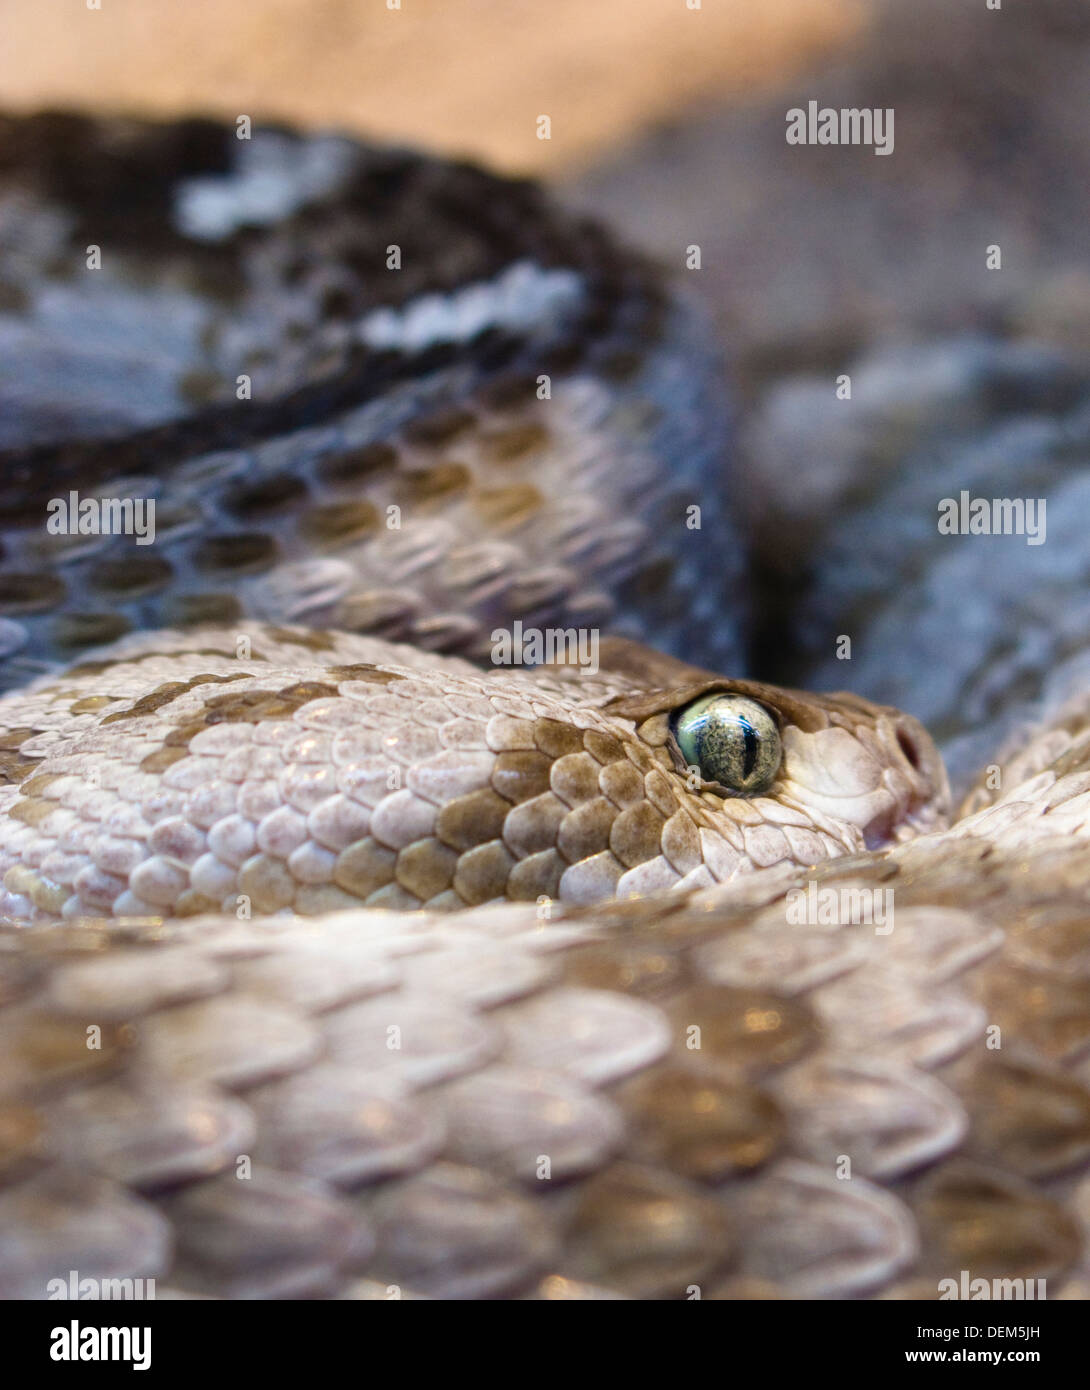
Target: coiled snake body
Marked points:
339	957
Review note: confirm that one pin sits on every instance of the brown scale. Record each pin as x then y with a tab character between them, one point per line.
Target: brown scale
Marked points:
586	829
162	758
519	441
508	390
639	968
35	786
245	707
134	575
518	776
22	1130
89	704
313	639
74	630
1034	1118
267	883
482	873
681	842
532	825
46	1050
469	819
245	553
429	490
364	867
356	465
977	1218
1054	940
636	834
339	523
574	778
648	761
742	1033
603	747
194	610
30	593
193	904
426	868
440	426
510	733
645	1233
383	612
363	671
270	496
1046	1012
536	876
703	1127
505	509
622	783
32	812
556	739
164	695
15	766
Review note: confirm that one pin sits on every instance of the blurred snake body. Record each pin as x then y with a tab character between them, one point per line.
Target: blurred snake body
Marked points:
339	957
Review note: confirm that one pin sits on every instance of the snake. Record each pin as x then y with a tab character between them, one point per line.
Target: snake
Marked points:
407	891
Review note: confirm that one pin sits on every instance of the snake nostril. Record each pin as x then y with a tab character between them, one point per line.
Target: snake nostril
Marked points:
910	748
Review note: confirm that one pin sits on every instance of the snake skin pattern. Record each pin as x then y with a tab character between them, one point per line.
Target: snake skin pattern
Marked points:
611	1043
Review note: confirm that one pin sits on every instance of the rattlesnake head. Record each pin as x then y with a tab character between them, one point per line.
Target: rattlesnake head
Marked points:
165	779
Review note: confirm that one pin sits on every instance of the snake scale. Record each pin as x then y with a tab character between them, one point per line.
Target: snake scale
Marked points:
339	953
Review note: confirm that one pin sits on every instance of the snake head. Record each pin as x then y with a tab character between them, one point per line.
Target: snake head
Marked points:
174	777
773	775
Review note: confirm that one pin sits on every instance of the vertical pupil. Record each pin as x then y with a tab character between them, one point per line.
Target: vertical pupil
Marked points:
749	756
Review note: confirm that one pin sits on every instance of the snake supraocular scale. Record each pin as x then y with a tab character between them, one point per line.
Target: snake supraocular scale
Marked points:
629	1042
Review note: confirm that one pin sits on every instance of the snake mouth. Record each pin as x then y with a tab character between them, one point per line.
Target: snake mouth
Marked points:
903	820
880	831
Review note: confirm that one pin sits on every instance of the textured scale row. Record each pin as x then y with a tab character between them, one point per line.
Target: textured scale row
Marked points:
632	1100
315	773
309	812
492	1104
426	451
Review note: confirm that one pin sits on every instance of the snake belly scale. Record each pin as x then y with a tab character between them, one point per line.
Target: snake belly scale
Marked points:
334	956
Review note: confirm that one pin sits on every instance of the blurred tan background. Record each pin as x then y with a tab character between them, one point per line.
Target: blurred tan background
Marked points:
460	76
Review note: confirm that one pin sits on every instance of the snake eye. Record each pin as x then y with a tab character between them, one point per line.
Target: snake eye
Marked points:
733	740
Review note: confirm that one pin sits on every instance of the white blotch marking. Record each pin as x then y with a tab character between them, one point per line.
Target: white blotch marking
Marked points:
520	296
